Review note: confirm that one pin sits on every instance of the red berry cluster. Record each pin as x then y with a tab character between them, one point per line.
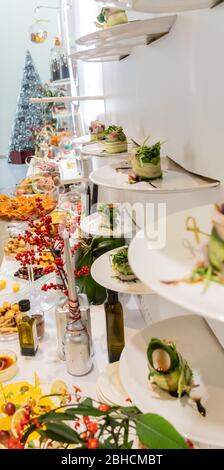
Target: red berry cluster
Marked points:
84	271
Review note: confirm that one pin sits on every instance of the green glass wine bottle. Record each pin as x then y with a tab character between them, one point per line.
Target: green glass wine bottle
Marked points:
115	326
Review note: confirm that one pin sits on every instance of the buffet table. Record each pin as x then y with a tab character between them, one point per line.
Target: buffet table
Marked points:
47	364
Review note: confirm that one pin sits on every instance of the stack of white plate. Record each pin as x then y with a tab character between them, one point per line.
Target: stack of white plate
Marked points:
110	389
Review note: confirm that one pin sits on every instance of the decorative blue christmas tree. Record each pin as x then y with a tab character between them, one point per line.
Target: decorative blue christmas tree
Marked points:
28	115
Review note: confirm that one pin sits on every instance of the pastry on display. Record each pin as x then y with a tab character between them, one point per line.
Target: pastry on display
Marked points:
14	246
44	185
120	265
167	368
116	140
97	129
36	184
110	215
10	316
26	186
23	207
109	17
146	161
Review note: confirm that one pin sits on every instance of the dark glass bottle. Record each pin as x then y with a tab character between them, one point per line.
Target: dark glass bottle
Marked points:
115	326
27	330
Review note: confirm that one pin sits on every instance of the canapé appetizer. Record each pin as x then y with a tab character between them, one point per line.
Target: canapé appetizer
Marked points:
120	265
109	17
116	140
97	129
146	161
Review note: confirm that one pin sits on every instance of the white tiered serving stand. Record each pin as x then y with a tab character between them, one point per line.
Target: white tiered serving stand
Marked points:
112	189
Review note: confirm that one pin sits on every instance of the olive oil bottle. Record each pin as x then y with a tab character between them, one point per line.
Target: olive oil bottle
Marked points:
27	330
114	325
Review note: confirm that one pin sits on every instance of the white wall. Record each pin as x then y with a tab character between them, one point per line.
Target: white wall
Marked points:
16	17
84	13
174	91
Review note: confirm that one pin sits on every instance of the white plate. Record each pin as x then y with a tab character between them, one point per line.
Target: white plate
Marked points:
82	140
110	387
198	346
174	180
132	33
97	149
91	225
102	273
176	261
160	6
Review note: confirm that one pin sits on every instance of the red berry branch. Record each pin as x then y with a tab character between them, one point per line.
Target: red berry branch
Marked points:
46	249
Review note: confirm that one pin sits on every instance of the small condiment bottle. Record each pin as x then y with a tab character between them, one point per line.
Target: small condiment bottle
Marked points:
27	330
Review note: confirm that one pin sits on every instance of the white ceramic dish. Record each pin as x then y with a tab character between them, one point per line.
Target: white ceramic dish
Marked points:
176	261
110	387
97	149
199	347
160	6
175	179
92	225
132	33
102	273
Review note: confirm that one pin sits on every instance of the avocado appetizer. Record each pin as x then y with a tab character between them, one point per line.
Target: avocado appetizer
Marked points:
167	368
146	161
216	240
109	17
110	215
116	140
120	265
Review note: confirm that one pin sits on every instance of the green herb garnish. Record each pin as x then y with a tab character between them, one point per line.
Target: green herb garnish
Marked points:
147	154
119	131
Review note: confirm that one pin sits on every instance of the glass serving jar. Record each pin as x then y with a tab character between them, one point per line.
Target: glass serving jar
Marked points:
38	32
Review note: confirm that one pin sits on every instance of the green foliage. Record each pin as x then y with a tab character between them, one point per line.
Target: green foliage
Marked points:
119	131
156	433
116	426
147	155
88	252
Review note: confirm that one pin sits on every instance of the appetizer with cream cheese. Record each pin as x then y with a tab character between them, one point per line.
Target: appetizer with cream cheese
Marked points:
116	140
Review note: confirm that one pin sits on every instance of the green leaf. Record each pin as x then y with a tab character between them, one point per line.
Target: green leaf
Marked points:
29	431
157	433
87	402
62	433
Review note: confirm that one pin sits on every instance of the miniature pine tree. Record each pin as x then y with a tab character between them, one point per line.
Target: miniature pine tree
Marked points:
28	115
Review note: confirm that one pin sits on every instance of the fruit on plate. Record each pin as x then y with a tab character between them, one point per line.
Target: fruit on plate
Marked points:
23	208
14	246
109	17
97	129
167	368
146	161
116	140
120	265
